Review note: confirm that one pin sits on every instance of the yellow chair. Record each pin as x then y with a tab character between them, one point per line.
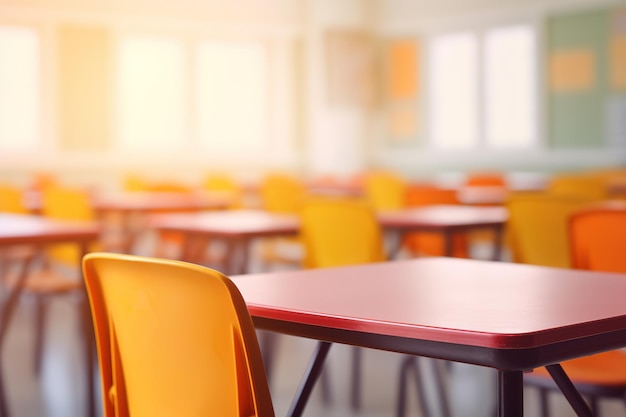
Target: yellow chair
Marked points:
62	261
12	199
385	190
597	237
338	232
285	194
579	185
537	227
174	339
226	184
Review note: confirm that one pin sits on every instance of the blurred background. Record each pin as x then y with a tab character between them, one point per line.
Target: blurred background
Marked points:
94	91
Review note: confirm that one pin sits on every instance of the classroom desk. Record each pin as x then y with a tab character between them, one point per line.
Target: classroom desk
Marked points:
134	206
38	232
238	227
235	227
447	220
510	317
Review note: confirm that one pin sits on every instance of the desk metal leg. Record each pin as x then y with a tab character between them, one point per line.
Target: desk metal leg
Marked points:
6	313
498	233
313	371
448	237
510	394
569	390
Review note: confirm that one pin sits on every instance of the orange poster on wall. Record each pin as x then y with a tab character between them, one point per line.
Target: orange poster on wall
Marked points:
618	62
403	73
572	70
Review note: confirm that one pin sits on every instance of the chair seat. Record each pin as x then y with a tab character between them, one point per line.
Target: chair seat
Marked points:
607	369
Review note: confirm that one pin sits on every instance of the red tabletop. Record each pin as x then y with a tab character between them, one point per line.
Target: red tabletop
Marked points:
443	216
157	201
258	222
17	229
468	302
230	223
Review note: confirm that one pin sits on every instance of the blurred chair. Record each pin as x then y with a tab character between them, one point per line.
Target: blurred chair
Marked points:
385	190
282	193
432	244
338	232
597	236
579	185
225	183
12	199
537	227
62	261
174	339
486	179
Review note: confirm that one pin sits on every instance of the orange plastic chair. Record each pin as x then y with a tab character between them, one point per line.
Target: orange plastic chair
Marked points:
432	244
338	232
486	179
597	237
173	339
385	190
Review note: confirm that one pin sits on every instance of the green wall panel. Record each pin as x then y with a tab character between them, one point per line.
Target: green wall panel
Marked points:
577	118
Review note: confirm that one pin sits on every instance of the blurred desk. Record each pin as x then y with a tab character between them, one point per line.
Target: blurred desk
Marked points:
510	317
238	227
38	232
447	220
235	227
132	208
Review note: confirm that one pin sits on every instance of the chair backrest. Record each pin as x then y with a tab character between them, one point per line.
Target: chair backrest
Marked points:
537	227
598	238
224	183
425	194
433	244
66	203
174	339
579	185
12	199
282	193
491	179
385	190
339	232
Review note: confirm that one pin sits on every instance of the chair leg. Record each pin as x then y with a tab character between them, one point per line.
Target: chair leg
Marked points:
410	364
543	402
595	408
327	398
4	410
41	307
355	392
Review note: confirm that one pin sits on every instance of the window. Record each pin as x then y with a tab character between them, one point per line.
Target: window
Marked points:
20	87
510	84
483	99
454	91
231	96
152	98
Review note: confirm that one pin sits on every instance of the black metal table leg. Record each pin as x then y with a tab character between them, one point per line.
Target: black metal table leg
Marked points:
569	390
312	373
510	394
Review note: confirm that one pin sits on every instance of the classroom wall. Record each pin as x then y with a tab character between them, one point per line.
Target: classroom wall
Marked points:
336	111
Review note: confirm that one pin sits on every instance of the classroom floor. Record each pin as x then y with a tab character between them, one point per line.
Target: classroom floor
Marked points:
59	390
